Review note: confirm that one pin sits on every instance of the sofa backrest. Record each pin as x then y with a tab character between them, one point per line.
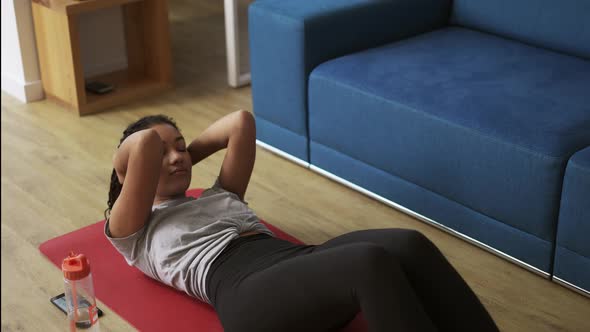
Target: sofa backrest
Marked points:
561	25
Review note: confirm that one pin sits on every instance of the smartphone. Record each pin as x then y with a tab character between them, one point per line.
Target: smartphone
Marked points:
99	88
60	302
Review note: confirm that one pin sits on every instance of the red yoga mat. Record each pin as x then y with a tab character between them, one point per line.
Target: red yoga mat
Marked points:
145	303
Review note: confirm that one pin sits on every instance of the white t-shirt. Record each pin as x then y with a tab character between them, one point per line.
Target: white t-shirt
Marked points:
184	236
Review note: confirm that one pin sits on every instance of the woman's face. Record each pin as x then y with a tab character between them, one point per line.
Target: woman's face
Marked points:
175	176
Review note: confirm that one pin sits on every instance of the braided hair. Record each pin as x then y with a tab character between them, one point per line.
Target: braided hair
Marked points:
141	124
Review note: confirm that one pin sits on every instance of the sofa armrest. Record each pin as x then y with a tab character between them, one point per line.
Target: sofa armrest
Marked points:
288	38
572	252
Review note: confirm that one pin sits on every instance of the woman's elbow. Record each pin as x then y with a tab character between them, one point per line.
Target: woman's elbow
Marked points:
150	140
245	121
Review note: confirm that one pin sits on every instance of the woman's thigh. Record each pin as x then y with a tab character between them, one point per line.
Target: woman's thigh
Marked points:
444	294
289	296
417	255
399	242
321	291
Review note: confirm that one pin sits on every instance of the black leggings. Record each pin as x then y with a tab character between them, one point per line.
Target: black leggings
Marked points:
396	277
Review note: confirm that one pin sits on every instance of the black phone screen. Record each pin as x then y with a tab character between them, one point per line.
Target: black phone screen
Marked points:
60	302
99	87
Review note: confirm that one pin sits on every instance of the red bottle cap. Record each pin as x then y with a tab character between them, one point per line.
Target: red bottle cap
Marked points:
75	266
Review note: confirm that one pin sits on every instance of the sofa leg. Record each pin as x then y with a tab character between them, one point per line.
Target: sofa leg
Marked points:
232	42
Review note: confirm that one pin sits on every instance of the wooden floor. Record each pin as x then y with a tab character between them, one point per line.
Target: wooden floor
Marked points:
56	167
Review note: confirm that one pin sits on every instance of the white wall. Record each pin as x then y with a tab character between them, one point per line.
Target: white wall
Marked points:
102	46
20	70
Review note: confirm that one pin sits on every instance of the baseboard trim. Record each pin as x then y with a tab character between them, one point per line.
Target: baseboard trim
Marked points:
405	210
573	287
23	91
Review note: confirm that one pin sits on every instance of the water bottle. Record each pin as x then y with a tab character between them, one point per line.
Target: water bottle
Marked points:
79	289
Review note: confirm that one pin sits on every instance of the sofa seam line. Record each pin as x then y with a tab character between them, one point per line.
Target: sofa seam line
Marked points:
570	250
574	164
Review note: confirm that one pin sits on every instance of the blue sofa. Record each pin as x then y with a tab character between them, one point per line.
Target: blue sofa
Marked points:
572	255
465	113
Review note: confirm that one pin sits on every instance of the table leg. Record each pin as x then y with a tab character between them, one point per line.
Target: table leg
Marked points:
232	42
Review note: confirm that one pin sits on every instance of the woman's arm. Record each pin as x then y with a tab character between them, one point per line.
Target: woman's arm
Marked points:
237	133
137	162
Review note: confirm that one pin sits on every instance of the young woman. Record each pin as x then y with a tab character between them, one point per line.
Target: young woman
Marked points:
215	248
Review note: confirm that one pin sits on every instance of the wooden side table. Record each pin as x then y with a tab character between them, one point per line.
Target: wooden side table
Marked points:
147	38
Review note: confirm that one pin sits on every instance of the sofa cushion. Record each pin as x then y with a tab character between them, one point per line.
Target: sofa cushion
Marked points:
288	38
486	122
559	25
572	257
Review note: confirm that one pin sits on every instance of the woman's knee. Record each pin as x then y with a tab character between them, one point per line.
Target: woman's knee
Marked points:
416	241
